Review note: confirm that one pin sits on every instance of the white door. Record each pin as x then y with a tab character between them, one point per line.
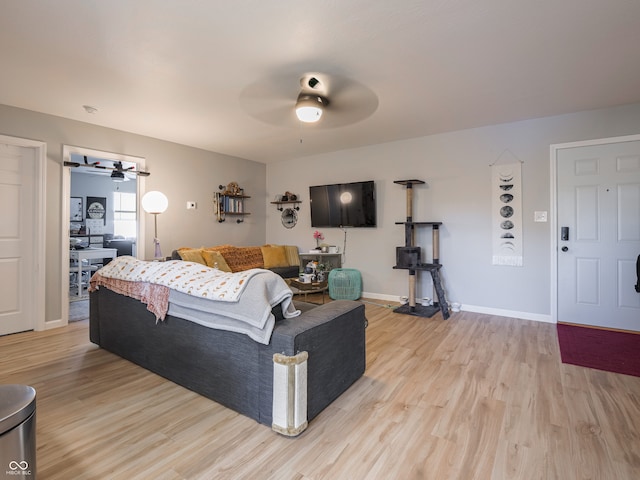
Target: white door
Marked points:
598	202
17	207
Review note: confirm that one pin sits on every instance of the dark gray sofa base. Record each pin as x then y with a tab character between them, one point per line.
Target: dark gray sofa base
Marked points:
229	367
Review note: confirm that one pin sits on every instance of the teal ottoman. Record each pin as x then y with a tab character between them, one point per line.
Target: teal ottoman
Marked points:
345	284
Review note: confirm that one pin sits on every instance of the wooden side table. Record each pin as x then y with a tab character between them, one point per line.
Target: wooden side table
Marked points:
301	288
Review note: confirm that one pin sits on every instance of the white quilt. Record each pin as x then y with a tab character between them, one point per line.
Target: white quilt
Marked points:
251	316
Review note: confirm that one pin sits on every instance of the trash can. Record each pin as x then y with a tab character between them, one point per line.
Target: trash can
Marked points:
17	431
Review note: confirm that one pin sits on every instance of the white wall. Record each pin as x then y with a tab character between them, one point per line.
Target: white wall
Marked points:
456	168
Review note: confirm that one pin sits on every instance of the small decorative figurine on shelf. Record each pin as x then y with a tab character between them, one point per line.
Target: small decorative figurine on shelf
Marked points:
289	197
232	189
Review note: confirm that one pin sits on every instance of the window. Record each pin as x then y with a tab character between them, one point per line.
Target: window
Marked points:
124	214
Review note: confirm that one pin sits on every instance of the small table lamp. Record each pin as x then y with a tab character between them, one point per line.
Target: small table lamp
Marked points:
154	203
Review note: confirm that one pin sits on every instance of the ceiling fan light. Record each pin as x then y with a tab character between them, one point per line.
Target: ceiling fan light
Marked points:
309	108
118	176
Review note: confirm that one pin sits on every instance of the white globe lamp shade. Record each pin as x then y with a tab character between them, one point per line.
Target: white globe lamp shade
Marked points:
154	202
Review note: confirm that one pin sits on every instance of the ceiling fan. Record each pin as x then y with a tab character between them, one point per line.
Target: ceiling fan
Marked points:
118	171
331	100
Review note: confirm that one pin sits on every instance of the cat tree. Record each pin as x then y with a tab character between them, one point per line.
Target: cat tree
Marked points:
408	258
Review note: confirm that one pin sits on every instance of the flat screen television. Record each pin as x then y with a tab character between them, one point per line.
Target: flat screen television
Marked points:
343	205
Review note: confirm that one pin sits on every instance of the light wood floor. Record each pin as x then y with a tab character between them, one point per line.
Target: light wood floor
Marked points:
474	397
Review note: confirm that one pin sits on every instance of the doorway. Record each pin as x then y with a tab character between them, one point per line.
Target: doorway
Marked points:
91	197
596	232
22	257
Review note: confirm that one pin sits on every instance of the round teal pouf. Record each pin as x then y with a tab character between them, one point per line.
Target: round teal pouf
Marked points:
345	284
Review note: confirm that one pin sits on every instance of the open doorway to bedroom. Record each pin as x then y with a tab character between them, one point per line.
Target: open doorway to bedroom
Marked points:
101	219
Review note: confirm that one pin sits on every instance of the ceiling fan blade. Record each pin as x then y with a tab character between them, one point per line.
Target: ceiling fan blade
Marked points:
272	100
349	104
117	167
86	162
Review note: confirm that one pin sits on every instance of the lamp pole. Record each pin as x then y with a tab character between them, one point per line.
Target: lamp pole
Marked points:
157	251
155	203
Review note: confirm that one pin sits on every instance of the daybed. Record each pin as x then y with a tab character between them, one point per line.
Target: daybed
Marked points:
230	367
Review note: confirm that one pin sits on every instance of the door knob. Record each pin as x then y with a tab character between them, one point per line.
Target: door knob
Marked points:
565	249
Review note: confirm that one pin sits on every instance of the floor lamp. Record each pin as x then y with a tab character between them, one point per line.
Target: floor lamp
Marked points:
155	203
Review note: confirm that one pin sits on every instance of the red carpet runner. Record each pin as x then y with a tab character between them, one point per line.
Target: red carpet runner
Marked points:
617	352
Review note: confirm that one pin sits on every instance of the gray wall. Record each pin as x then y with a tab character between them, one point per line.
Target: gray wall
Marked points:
456	168
182	173
454	165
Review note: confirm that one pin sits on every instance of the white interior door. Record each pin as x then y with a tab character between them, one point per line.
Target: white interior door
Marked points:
598	203
17	195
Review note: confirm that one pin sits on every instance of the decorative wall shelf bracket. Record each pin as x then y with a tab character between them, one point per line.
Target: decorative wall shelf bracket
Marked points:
294	204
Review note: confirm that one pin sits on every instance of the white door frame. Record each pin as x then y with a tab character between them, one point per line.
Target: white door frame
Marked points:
67	151
38	253
554	206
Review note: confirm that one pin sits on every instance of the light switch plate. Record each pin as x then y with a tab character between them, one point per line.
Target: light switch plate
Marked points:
539	216
191	205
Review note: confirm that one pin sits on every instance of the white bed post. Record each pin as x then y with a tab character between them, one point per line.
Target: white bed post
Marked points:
290	393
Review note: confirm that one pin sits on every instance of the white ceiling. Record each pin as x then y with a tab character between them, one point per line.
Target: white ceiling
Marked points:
180	70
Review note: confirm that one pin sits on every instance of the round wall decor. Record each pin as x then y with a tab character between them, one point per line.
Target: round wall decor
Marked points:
96	210
289	217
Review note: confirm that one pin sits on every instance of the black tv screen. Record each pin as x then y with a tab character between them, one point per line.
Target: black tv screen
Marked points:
343	205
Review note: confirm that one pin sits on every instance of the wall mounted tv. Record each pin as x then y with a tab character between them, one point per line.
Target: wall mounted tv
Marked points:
343	205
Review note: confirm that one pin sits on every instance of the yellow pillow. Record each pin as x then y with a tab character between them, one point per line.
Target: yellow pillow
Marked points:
191	255
274	256
292	255
211	257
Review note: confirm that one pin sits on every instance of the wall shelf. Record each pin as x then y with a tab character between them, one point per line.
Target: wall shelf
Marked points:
230	203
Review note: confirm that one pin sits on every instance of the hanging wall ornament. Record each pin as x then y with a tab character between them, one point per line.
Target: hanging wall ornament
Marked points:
289	218
506	205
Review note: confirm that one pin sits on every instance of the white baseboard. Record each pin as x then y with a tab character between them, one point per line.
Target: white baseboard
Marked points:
381	296
537	317
54	324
